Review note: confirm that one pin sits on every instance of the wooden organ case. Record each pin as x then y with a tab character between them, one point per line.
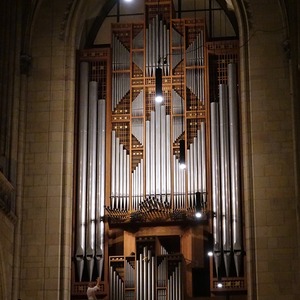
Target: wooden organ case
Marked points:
135	223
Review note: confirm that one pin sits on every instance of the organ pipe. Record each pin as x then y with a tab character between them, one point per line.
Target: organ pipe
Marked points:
203	158
119	175
158	149
82	168
235	167
100	186
157	47
225	176
91	178
215	162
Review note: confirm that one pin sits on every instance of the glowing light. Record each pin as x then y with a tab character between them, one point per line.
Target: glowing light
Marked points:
182	166
159	98
198	214
210	253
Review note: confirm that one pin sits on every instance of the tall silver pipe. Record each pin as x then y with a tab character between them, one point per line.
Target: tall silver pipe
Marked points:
235	167
163	151
195	162
91	178
82	169
215	162
225	176
152	151
148	159
158	149
168	156
176	183
100	230
189	178
199	160
127	189
133	189
147	53
101	146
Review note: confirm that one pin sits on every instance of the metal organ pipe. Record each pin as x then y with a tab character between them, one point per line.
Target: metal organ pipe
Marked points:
91	178
158	150
163	152
116	286
148	158
235	167
157	47
225	176
82	169
203	159
215	163
113	168
100	186
120	174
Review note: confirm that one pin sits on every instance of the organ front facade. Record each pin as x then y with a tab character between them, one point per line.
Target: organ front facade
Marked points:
143	224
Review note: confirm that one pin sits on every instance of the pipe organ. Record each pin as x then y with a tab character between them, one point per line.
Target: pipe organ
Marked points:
131	193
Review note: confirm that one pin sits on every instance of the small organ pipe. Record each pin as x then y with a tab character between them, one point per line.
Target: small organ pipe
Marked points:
121	176
137	278
82	168
111	282
149	276
147	53
141	279
141	180
117	173
203	158
153	277
145	273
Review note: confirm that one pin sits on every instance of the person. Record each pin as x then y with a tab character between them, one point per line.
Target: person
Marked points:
92	290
